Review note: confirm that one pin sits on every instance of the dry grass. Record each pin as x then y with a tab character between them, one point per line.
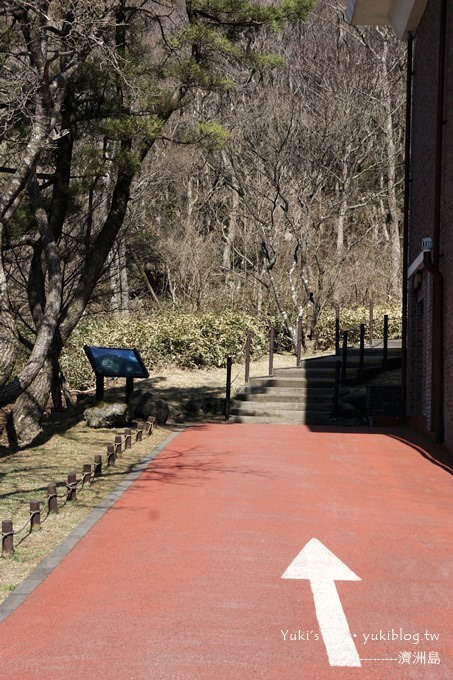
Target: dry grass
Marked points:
67	444
25	475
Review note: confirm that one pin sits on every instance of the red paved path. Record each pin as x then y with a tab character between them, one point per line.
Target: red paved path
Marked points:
181	579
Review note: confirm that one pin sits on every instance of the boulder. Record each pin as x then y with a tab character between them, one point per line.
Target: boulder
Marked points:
143	404
192	407
197	407
107	415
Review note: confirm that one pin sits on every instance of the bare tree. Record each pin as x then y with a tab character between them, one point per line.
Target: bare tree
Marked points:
96	77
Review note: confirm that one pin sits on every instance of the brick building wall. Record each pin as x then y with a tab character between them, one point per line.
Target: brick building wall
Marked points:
447	233
423	217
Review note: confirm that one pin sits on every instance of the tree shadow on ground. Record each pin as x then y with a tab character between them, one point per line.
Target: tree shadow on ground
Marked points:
436	454
187	404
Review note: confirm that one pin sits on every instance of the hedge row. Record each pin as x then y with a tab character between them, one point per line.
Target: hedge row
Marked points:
181	339
192	340
350	320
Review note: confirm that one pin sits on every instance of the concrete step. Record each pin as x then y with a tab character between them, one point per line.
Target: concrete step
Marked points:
278	394
250	392
298	380
325	369
301	394
271	407
287	419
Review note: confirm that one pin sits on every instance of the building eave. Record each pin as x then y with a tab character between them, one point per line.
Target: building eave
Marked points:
402	15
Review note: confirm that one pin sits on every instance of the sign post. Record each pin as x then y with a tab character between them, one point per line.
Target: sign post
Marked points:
115	362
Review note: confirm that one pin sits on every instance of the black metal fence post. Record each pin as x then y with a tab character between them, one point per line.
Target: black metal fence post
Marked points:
299	341
337	330
362	350
336	392
271	349
99	387
129	388
247	356
344	356
371	322
229	365
386	340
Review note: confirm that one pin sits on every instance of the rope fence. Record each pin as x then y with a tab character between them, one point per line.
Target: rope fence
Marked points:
56	500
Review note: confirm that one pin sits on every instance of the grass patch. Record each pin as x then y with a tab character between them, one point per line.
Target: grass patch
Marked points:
25	475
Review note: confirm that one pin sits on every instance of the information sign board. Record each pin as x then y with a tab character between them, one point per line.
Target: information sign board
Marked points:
115	362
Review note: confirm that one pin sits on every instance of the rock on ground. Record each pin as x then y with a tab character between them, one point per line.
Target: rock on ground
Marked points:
107	415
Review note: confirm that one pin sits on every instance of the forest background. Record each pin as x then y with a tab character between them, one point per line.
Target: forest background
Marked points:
173	173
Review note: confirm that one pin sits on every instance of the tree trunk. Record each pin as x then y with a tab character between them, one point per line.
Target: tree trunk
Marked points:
343	192
229	239
28	410
392	219
46	315
9	199
8	334
114	281
124	283
146	281
119	284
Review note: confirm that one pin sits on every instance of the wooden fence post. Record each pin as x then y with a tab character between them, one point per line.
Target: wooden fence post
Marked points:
150	425
97	471
52	498
111	454
127	438
86	473
35	515
71	486
7	537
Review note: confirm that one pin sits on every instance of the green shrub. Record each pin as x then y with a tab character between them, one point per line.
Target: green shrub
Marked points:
190	340
350	320
181	339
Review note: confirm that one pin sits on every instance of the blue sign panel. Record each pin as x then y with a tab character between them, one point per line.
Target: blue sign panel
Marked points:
116	362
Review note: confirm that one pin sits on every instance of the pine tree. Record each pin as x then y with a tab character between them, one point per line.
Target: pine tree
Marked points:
87	90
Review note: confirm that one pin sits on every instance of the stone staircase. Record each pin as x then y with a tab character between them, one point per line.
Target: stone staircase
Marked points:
303	395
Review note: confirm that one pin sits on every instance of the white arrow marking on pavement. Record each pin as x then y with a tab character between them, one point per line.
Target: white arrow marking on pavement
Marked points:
322	568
